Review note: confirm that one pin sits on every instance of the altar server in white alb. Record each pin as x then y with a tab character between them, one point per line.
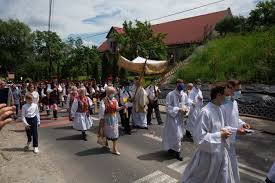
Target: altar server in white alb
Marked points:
80	112
210	162
270	178
196	101
232	119
140	101
176	106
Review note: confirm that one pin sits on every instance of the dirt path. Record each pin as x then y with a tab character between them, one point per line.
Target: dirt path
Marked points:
16	165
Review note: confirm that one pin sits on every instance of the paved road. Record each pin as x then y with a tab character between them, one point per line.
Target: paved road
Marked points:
142	159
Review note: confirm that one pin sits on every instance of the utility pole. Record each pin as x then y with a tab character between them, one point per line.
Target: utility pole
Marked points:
49	29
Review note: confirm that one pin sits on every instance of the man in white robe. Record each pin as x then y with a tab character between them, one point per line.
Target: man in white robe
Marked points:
176	106
232	119
140	101
196	103
210	162
270	178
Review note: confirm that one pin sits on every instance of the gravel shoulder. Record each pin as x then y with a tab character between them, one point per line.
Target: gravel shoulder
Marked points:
17	165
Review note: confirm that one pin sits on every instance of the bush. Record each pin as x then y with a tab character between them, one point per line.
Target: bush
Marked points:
249	57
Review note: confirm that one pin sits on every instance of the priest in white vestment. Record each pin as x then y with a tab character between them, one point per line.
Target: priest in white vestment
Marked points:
232	119
210	162
196	101
140	101
176	107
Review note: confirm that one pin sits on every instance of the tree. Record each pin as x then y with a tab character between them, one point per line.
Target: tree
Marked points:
48	47
140	40
15	44
231	24
27	53
264	14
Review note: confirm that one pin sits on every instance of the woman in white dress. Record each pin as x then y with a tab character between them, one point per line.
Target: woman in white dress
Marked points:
80	113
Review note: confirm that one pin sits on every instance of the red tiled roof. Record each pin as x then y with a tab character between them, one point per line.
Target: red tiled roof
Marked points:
103	47
119	30
188	30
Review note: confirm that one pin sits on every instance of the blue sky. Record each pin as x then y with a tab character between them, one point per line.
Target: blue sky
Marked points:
89	17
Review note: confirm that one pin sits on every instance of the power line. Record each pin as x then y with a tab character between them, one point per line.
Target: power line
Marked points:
162	17
94	35
186	10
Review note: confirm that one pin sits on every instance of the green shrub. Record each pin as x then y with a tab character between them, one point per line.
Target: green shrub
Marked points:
249	57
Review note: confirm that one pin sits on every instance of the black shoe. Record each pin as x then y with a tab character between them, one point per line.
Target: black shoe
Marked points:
84	136
171	151
178	157
150	123
161	123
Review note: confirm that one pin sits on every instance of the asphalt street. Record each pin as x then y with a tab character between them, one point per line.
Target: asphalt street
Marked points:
141	159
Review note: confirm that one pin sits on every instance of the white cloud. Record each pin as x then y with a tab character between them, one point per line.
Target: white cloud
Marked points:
68	15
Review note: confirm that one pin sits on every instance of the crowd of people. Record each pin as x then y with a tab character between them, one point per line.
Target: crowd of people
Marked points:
213	127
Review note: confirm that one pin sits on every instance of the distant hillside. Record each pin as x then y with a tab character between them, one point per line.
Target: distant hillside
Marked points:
249	57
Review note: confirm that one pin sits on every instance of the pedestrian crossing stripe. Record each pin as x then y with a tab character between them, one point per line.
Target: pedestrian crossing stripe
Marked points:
153	137
252	172
156	177
179	166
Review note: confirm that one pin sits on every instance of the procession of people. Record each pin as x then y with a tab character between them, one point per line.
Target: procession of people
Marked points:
213	126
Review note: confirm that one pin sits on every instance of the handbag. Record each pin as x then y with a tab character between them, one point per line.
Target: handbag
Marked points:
101	139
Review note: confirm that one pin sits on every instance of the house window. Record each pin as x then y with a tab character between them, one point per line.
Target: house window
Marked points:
113	46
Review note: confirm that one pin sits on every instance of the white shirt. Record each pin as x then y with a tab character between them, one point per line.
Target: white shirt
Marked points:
151	91
125	94
35	97
30	111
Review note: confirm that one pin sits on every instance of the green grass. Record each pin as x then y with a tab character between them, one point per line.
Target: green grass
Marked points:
249	58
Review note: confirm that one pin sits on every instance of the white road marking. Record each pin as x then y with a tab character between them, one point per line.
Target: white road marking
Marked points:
156	177
251	169
153	137
252	174
179	166
94	118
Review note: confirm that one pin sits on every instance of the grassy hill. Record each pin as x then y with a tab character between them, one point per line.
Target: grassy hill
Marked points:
249	57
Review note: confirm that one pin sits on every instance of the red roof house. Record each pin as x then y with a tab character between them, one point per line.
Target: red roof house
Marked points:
178	32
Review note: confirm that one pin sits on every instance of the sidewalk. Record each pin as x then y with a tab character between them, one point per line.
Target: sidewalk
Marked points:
256	123
19	166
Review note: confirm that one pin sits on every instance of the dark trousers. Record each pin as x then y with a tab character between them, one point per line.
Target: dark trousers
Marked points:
125	121
17	106
153	105
32	133
188	134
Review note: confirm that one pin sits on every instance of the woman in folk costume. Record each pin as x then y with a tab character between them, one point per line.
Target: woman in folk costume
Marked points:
70	99
82	120
108	113
54	99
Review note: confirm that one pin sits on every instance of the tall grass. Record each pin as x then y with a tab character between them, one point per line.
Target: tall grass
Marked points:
249	57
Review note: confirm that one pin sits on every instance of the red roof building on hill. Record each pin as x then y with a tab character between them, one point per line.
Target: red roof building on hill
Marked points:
178	32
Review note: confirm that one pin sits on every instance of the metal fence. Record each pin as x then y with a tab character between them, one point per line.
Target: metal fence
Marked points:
264	112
